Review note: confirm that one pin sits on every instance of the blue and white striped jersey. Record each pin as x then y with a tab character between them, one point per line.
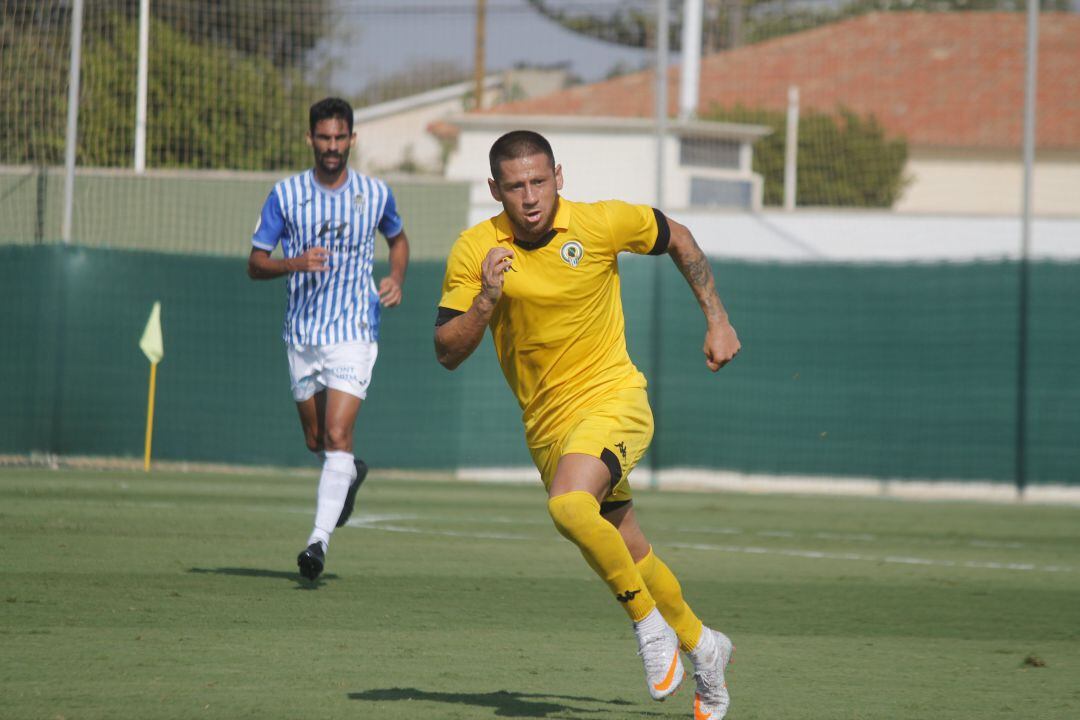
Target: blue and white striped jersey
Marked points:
342	303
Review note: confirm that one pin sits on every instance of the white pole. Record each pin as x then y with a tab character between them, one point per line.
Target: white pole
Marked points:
661	131
72	135
140	103
690	77
1023	291
661	95
1030	79
791	147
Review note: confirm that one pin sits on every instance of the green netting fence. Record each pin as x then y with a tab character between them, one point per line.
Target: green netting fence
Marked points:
894	371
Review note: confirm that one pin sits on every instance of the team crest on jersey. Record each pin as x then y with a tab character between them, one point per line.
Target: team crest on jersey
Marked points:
571	252
359	201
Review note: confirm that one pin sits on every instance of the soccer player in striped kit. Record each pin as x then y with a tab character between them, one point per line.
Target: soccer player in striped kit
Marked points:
325	220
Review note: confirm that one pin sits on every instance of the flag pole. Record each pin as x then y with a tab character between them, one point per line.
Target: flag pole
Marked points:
150	416
153	347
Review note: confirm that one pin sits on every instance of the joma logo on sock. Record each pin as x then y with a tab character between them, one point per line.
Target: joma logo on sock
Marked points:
627	596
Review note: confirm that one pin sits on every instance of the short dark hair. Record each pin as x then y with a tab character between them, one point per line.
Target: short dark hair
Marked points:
518	144
331	107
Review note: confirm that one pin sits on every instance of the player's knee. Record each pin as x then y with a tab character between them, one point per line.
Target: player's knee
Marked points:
574	513
337	439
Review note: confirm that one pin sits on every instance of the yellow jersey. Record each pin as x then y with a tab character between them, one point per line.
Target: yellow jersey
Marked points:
558	328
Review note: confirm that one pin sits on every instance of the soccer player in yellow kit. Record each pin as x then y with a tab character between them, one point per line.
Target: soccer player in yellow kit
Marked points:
543	275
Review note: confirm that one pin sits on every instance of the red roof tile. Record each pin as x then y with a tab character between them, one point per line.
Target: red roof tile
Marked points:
938	79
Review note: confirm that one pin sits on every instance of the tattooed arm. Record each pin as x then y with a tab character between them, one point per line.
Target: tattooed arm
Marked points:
721	342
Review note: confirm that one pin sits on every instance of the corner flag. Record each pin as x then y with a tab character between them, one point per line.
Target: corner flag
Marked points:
153	346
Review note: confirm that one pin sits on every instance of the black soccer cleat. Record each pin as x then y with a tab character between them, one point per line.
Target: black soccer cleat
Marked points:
350	499
311	561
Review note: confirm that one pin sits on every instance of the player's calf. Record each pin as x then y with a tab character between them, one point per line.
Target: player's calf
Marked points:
350	498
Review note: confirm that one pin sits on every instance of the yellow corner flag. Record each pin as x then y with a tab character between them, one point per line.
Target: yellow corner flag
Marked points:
153	346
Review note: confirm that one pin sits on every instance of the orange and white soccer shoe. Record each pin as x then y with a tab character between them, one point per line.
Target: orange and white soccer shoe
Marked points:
663	664
711	658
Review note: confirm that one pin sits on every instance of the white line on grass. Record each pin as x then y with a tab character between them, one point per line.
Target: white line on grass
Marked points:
853	537
446	533
892	559
378	522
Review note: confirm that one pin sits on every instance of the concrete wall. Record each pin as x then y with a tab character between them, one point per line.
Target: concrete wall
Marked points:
990	183
204	213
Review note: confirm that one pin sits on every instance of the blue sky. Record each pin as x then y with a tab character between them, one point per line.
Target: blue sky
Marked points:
377	38
380	37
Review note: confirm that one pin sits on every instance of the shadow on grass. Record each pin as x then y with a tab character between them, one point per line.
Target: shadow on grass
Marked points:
514	704
294	577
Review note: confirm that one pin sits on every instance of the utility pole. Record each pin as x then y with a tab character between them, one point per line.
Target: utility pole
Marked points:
1031	74
478	65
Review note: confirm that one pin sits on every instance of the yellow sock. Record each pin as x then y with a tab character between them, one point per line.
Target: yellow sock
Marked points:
577	517
667	593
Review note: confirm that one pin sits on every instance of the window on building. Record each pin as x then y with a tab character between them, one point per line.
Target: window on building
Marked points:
709	153
711	192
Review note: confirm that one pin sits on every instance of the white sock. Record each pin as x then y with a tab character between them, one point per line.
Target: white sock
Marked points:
337	474
651	624
704	653
319	536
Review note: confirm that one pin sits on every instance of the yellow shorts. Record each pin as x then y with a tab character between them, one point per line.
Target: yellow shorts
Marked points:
617	431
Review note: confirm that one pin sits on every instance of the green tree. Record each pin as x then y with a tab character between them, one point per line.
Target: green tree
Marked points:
33	100
209	106
844	160
282	31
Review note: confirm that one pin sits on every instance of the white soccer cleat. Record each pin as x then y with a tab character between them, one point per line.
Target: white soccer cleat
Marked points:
710	659
663	664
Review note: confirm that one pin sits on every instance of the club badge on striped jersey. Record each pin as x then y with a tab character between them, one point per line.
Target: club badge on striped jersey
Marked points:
359	202
571	252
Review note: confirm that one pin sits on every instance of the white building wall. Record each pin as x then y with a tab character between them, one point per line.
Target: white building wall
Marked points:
943	182
384	143
596	166
396	132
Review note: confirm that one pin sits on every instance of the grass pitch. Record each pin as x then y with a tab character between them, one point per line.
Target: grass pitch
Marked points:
127	595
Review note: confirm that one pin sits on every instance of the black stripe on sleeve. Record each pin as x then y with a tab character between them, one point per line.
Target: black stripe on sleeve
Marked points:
446	315
663	234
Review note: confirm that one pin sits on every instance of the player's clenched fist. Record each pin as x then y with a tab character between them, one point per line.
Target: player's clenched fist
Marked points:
492	269
721	345
315	259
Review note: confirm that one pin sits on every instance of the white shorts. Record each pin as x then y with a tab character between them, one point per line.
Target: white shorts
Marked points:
345	366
